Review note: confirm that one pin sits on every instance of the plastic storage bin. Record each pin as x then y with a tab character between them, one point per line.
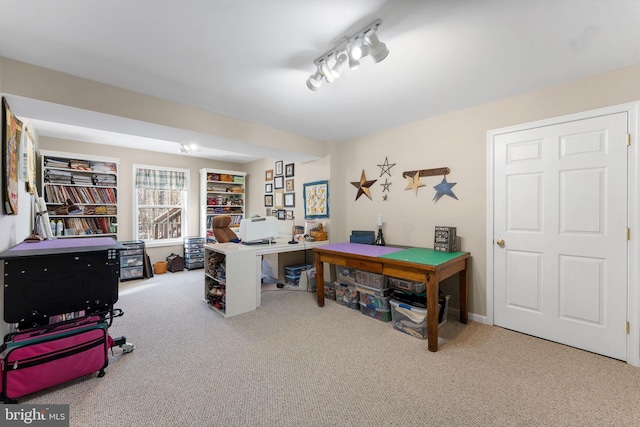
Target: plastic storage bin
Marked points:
407	285
418	300
347	295
385	292
371	280
381	314
375	301
413	320
346	275
329	291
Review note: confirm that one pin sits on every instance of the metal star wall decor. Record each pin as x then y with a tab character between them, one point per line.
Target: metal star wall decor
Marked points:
444	188
385	185
363	186
386	167
414	182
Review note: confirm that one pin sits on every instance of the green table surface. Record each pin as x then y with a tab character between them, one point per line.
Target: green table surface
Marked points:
423	256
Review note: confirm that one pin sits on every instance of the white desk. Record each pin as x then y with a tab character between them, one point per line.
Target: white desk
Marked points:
244	271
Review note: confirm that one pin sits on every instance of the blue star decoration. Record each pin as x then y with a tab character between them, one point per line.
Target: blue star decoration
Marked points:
386	167
444	188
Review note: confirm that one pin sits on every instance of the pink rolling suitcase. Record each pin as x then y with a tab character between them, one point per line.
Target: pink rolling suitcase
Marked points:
45	356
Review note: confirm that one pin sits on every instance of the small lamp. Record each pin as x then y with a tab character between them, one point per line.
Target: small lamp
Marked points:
380	238
293	240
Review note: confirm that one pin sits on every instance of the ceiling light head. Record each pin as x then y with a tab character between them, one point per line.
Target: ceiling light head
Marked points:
377	50
340	61
315	80
326	71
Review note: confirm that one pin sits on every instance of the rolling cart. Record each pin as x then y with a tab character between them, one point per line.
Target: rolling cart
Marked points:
59	298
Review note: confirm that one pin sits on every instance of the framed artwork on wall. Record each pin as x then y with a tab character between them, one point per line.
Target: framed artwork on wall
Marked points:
268	200
268	188
289	200
288	170
282	214
268	175
278	183
289	214
316	199
288	184
279	167
278	199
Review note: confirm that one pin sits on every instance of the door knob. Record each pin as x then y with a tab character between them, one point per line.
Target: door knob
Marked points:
500	243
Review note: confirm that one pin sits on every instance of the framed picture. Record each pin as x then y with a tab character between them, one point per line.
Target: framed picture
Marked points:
279	167
268	200
278	199
288	184
278	183
289	214
268	175
288	170
282	214
289	200
316	199
268	212
268	188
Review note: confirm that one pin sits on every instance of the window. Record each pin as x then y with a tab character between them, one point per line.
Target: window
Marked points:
160	204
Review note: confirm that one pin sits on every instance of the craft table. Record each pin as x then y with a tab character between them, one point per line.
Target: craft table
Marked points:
416	264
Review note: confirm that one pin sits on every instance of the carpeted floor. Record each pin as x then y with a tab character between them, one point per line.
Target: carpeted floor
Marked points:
290	363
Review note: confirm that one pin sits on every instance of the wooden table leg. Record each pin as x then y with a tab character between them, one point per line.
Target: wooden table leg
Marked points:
320	280
463	277
432	312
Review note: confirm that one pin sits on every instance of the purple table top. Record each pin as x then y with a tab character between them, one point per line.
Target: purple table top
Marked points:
360	249
56	246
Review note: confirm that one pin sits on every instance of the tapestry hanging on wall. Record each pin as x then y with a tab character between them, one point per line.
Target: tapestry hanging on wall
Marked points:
11	128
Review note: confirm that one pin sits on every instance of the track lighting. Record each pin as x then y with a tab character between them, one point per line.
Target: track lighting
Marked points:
348	50
184	149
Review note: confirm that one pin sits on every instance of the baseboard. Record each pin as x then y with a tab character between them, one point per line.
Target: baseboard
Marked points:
455	313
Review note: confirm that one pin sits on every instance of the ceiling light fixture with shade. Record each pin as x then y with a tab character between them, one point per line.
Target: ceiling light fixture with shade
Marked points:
348	50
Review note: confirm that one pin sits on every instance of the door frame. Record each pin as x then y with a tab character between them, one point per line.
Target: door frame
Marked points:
633	215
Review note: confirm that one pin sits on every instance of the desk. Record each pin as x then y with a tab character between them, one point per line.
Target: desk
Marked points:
416	264
243	284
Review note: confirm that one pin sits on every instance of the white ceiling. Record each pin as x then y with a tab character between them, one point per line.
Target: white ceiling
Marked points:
249	59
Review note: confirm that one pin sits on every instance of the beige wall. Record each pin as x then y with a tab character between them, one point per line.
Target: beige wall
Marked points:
304	172
129	157
457	140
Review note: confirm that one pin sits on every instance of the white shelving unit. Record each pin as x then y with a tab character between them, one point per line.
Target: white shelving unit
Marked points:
222	192
230	278
89	182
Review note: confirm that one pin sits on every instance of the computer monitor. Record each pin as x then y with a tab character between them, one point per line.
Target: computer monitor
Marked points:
258	230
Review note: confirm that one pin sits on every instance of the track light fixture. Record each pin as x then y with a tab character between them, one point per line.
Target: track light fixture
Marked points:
184	149
348	50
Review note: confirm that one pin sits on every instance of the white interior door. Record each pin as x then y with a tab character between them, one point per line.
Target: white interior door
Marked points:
560	221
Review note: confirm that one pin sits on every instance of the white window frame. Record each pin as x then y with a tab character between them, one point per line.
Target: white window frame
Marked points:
185	205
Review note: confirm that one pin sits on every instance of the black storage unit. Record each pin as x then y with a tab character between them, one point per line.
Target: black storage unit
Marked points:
132	260
59	276
193	253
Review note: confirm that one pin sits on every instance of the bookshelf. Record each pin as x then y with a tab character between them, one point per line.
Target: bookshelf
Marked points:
222	192
88	183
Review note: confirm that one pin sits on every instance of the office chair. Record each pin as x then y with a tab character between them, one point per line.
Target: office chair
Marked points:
221	231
